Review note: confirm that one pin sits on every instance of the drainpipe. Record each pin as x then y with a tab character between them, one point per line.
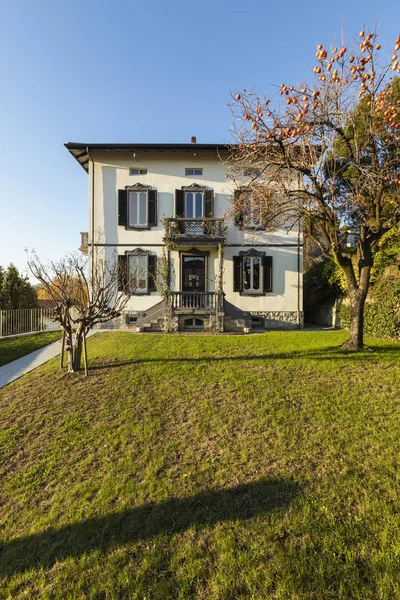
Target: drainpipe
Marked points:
92	224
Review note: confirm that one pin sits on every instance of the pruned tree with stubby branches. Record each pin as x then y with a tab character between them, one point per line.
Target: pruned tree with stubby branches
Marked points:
82	300
327	153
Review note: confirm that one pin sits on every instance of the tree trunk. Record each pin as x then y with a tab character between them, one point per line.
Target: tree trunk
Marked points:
75	353
78	351
356	338
358	292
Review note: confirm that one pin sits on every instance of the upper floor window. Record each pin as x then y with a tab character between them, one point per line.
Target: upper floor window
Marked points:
194	204
248	209
193	171
256	209
137	171
137	209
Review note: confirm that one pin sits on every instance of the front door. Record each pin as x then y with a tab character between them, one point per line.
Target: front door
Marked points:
193	273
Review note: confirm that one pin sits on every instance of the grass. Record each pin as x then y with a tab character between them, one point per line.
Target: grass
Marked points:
15	347
262	466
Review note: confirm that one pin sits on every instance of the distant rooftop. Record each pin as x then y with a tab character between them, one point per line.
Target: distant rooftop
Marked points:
80	150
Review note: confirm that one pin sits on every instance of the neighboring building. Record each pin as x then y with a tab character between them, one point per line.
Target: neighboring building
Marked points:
167	210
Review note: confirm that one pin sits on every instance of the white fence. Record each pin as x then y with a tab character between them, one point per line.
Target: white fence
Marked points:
26	320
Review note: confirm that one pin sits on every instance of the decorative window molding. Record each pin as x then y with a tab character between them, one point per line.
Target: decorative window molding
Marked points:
251	252
137	187
137	252
194	187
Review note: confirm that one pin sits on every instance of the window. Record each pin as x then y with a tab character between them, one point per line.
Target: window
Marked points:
194	204
137	273
137	207
252	172
193	324
257	322
256	209
248	209
191	171
252	273
137	171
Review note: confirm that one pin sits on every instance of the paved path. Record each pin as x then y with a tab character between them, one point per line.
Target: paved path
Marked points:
19	367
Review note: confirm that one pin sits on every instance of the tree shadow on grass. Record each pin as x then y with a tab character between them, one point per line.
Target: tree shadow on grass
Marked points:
387	351
144	523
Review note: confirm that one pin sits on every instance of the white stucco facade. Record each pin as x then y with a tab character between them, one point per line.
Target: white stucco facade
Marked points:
109	171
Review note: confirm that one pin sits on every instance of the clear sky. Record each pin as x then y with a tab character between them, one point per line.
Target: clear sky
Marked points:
137	71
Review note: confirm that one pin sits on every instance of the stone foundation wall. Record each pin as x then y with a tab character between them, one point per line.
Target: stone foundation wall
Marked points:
269	321
283	320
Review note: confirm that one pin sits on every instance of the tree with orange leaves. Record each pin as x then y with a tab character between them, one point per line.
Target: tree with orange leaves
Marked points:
330	155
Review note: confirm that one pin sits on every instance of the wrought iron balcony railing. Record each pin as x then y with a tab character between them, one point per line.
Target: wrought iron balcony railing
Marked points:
200	227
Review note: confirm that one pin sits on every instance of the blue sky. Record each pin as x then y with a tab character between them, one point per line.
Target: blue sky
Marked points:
130	71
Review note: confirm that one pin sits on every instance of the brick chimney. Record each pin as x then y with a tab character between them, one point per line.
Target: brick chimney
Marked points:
193	139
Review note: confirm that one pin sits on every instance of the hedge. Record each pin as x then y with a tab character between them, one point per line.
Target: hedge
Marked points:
382	310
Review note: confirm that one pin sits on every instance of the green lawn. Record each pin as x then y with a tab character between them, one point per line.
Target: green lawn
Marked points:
207	467
15	347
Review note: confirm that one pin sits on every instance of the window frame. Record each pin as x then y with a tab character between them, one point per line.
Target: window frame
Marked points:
193	171
138	256
131	225
194	192
250	222
140	171
251	291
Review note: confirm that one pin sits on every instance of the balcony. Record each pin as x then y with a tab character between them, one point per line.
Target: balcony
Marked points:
201	230
197	302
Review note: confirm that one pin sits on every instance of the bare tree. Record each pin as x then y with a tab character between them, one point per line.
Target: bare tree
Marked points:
327	153
82	303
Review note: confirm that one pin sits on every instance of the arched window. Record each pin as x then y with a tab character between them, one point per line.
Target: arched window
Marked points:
193	324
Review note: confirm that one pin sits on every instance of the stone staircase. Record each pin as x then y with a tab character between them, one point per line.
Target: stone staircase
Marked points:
153	325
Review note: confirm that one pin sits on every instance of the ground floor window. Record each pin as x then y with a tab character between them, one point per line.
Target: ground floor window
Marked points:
193	324
257	322
137	273
252	274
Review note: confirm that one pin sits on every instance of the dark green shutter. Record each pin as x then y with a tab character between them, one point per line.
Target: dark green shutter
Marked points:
152	212
209	204
122	207
267	266
122	273
179	203
238	209
237	274
152	269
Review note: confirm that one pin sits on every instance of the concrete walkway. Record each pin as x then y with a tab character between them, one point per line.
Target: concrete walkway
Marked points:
19	367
